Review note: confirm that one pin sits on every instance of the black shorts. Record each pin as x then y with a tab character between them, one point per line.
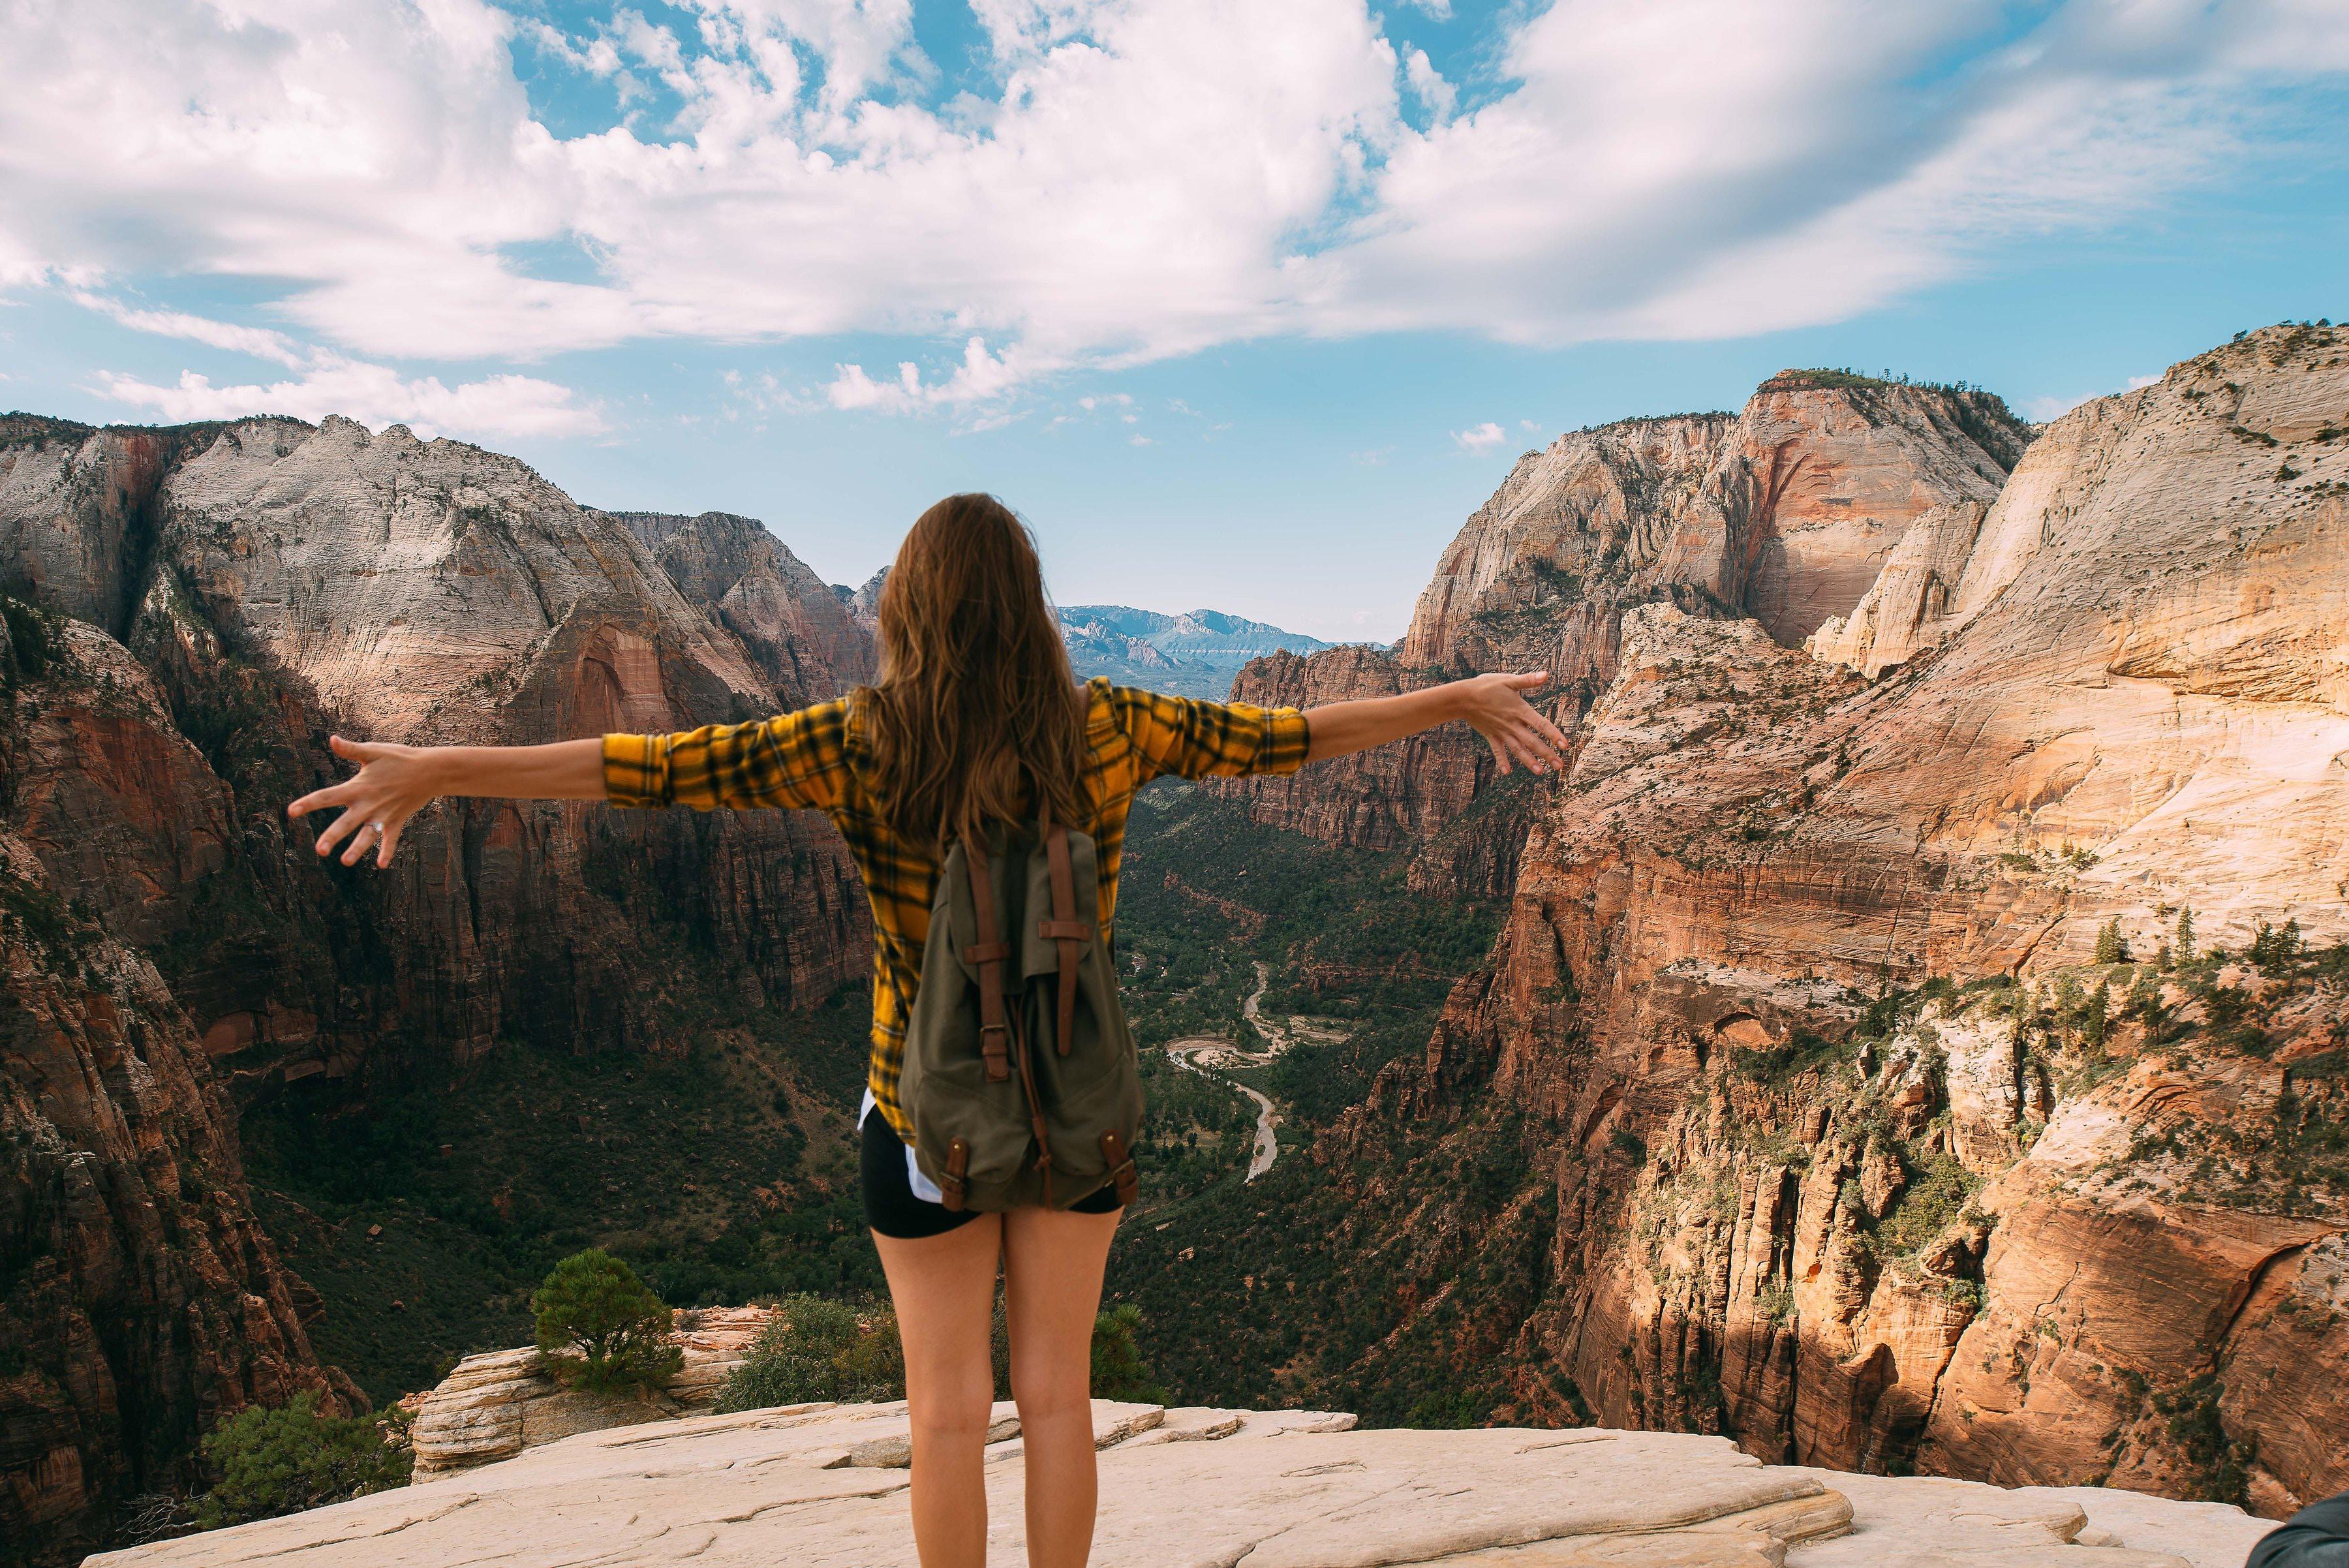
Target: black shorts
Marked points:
890	1206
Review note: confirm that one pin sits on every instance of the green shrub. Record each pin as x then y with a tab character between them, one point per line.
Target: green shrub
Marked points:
600	1328
270	1462
817	1348
1119	1370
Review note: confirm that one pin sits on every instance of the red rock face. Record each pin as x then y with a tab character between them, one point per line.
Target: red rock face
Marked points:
142	1300
1962	1239
235	593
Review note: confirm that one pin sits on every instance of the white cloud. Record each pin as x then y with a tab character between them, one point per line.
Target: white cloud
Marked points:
979	378
1148	178
1479	439
1428	86
258	341
495	406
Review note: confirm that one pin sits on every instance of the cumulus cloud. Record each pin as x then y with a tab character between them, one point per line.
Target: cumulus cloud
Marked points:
1427	85
1479	439
979	378
1136	178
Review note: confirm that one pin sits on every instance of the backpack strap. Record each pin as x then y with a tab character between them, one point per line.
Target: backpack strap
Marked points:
1121	1174
1063	929
996	1036
988	953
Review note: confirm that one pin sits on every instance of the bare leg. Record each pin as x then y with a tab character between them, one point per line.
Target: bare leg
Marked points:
944	1289
1053	1265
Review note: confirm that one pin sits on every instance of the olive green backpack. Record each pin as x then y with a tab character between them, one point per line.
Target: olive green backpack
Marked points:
1019	1073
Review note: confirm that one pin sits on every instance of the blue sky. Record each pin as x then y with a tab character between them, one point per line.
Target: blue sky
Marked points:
1243	306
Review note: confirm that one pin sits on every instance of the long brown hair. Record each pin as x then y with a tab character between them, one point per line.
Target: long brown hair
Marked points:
975	717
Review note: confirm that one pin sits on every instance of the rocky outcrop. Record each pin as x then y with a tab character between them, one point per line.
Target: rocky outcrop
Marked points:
492	1406
2079	1224
1785	512
1221	1487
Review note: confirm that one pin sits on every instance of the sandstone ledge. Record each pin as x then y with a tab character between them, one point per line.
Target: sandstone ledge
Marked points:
823	1486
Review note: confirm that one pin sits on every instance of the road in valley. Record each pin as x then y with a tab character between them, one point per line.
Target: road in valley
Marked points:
1205	1054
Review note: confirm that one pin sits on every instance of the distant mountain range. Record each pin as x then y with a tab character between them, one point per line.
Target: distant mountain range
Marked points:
1191	655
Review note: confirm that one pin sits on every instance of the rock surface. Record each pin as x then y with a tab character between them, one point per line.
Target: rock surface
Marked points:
1260	1489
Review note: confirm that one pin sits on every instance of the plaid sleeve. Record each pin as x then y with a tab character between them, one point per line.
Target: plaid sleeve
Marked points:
794	759
1197	740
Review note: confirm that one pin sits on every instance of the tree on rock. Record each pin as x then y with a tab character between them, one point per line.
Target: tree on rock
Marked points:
600	1328
266	1462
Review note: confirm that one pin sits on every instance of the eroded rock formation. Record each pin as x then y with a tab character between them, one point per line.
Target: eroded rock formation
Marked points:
138	1299
2065	1214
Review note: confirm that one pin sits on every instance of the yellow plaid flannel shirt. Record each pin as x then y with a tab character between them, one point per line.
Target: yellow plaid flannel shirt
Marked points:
816	759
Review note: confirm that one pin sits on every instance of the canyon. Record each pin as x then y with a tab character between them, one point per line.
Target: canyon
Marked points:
1806	1025
196	609
1841	1082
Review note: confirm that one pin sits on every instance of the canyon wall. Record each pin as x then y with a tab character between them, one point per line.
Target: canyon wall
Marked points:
1878	1111
194	611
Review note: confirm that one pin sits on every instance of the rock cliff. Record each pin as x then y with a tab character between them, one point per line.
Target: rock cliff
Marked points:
796	627
138	1298
194	611
821	1484
1785	512
1871	1119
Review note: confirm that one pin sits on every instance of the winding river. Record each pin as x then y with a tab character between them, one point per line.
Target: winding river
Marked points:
1205	1054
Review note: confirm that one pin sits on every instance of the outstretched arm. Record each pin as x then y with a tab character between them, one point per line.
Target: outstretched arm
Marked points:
1494	705
394	783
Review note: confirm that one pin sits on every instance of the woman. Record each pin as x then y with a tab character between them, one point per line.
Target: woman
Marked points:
975	717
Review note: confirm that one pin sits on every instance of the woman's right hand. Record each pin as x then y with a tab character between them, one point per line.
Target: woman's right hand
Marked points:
393	783
1496	706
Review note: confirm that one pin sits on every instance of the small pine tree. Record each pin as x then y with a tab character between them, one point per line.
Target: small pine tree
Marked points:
2097	1017
269	1462
1119	1370
2111	946
600	1328
2185	935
